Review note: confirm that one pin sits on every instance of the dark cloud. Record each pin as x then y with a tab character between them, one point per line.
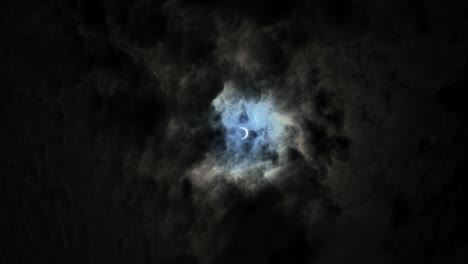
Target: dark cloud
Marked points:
114	150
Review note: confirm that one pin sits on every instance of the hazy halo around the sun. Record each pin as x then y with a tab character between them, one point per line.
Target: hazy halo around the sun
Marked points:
256	136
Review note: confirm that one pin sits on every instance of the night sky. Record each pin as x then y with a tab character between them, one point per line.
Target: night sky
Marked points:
233	131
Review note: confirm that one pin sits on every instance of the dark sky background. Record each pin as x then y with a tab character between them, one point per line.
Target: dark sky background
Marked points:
106	112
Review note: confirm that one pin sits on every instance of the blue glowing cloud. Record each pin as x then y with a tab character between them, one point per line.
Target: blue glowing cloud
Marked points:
266	130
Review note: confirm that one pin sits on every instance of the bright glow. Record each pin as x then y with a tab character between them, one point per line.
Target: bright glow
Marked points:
257	140
254	131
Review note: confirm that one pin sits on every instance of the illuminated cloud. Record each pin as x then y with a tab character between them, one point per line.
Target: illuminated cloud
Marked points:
261	153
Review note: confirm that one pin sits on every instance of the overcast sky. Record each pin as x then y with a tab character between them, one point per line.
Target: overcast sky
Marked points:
121	142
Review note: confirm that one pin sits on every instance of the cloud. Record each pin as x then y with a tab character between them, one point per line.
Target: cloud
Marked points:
354	112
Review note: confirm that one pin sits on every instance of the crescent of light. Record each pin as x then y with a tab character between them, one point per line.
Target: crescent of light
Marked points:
246	132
